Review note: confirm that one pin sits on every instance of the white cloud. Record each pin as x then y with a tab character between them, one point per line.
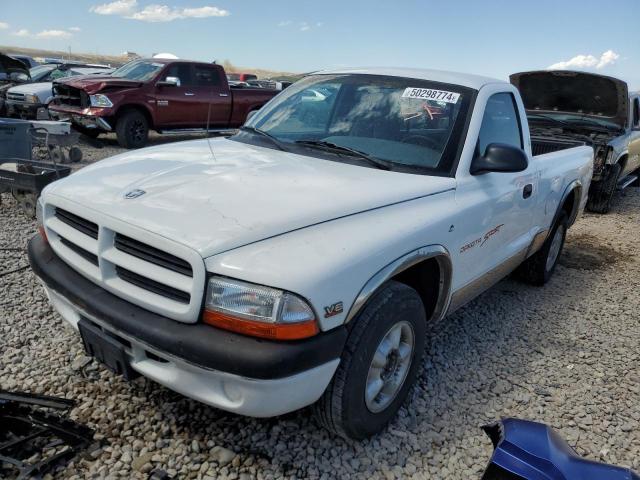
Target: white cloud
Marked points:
74	29
164	13
23	32
156	12
302	26
4	25
587	61
119	7
53	34
607	58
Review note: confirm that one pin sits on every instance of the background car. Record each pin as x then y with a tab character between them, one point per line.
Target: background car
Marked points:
25	100
27	60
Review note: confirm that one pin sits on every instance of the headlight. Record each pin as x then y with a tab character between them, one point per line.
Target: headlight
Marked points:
30	98
100	101
258	311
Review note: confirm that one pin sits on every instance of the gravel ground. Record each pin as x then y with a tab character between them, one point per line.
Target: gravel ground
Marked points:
566	354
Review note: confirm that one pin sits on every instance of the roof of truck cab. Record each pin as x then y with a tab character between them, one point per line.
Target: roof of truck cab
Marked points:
455	78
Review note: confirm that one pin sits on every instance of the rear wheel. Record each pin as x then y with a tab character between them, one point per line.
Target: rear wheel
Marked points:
380	363
601	193
132	129
538	268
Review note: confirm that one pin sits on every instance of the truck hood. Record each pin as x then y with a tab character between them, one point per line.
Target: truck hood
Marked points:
579	93
239	195
98	83
41	89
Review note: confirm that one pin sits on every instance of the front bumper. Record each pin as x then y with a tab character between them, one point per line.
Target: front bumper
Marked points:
246	375
91	118
29	110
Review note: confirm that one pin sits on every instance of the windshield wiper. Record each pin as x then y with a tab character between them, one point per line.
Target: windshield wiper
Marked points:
350	151
533	117
264	134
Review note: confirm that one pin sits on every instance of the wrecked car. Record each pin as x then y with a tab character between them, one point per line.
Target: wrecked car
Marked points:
12	72
24	100
302	260
158	94
565	108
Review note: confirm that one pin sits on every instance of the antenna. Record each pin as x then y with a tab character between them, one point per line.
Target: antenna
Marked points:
206	132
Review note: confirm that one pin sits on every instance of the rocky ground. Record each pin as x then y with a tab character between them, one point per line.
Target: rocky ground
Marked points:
566	354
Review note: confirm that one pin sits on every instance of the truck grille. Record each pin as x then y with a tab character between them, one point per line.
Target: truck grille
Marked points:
152	255
16	97
164	277
70	96
152	286
88	228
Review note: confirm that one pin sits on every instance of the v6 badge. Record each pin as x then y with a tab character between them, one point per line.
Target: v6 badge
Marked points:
333	310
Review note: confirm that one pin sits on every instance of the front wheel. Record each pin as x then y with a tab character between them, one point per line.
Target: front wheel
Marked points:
380	363
538	268
601	193
132	129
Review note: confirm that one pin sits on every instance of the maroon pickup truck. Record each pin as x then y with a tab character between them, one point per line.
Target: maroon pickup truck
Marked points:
154	94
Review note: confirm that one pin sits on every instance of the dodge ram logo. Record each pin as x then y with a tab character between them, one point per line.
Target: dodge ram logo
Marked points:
134	194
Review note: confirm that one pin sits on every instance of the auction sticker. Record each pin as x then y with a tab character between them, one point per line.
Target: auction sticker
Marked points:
431	94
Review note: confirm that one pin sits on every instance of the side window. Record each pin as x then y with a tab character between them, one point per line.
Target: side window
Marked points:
182	71
636	112
206	76
500	123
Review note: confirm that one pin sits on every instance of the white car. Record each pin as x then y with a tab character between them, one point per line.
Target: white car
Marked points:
302	260
25	100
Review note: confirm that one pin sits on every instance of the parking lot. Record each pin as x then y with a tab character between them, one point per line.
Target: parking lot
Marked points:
565	354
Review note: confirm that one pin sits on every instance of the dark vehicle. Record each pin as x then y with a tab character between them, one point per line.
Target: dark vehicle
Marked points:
527	450
27	60
566	107
12	72
241	77
158	94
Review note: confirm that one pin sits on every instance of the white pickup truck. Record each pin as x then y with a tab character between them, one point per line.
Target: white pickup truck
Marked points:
304	259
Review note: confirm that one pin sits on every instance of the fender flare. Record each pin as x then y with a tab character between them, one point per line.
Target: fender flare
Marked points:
399	265
140	106
575	185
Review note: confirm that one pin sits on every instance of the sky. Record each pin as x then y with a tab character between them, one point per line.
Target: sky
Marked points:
486	37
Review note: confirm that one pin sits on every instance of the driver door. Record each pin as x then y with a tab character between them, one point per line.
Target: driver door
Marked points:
495	229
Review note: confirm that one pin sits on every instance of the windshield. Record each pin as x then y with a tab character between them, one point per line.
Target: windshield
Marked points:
39	72
408	124
141	70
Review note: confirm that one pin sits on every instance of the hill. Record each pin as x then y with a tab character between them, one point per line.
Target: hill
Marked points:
117	60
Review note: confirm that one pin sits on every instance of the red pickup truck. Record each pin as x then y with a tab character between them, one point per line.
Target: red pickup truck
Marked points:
154	94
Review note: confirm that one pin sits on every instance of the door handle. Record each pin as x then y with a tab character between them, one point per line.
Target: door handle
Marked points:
527	190
189	94
223	94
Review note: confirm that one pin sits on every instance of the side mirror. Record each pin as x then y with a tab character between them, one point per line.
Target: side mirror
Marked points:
500	157
250	115
169	82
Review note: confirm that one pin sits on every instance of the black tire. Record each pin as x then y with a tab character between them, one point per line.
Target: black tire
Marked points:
537	270
601	193
343	409
88	132
132	129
